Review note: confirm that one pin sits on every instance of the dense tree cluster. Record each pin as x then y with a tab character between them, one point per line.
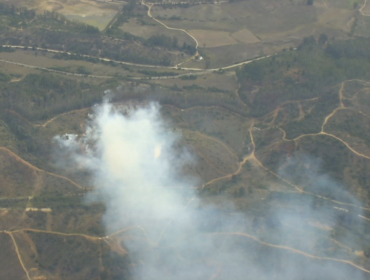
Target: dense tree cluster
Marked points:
304	73
170	43
39	96
310	2
7	9
354	49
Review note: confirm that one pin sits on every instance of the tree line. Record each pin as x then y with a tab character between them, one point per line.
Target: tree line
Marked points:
53	31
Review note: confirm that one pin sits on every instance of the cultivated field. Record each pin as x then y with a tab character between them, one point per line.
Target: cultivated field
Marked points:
208	38
94	13
262	25
245	36
135	27
46	60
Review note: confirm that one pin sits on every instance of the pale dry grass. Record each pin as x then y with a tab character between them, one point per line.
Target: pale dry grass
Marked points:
211	39
29	57
245	36
85	11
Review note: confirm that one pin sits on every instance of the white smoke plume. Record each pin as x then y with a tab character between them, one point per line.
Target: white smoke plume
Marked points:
137	166
133	161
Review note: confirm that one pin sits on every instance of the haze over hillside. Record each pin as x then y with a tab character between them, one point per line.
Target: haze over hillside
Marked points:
184	140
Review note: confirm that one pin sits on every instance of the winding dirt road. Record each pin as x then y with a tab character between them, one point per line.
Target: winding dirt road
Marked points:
57	116
150	5
363	7
18	254
246	159
291	249
18	158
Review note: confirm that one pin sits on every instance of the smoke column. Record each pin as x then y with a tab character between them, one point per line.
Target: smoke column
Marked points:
136	163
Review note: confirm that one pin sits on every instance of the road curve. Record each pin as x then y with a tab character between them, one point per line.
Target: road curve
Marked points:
35	168
362	7
170	28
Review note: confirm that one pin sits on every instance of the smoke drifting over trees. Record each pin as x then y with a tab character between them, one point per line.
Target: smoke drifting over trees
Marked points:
170	233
